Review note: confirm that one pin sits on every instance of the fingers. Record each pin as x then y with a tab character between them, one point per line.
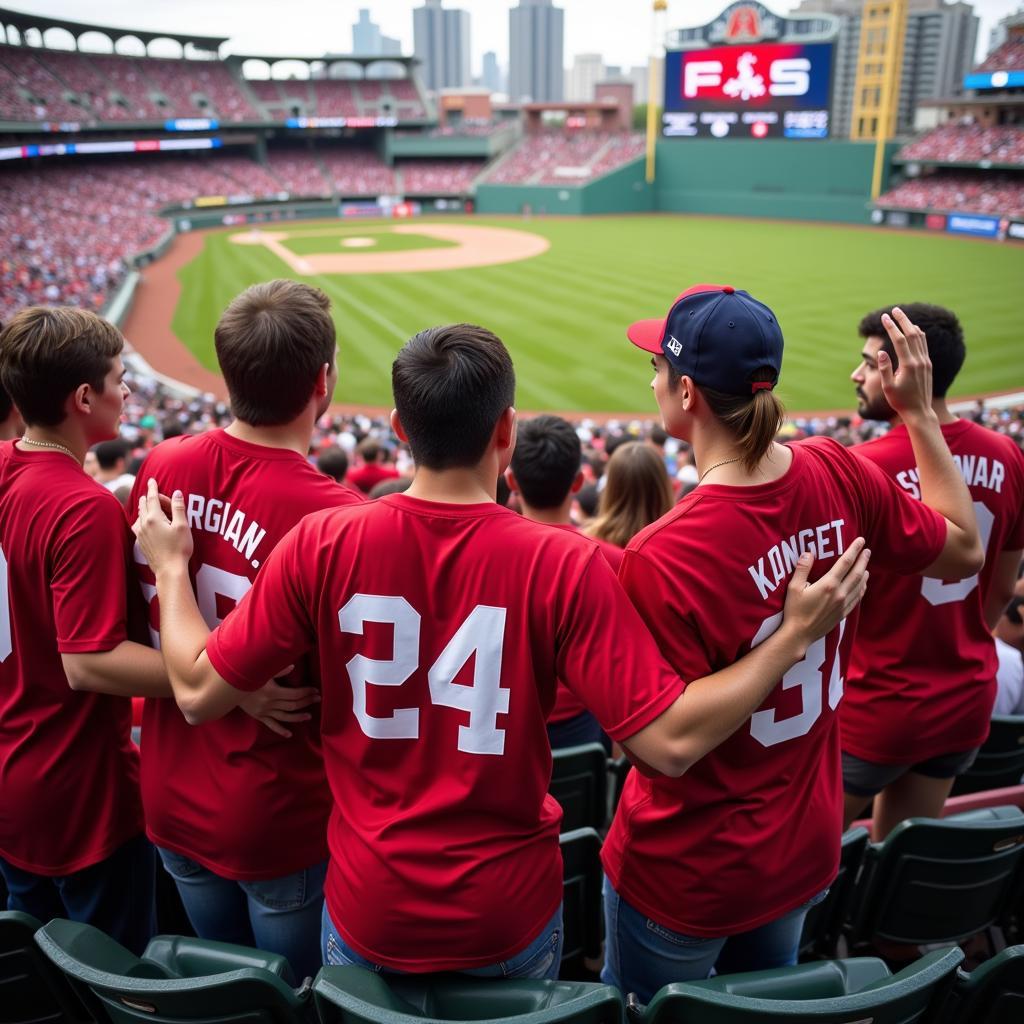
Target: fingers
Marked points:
846	561
274	727
912	334
802	570
896	336
177	509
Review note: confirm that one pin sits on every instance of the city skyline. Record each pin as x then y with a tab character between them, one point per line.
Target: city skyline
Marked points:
619	30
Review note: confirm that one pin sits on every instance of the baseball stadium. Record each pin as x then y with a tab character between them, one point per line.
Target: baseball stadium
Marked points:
278	250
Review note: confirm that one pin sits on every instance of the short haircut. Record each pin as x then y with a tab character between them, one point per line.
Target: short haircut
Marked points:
451	385
333	462
369	449
546	460
46	352
944	335
271	341
109	452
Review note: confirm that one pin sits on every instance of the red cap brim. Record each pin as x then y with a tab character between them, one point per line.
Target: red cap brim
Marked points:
647	334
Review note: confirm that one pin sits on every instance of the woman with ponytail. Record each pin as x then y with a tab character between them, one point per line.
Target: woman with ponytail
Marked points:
717	869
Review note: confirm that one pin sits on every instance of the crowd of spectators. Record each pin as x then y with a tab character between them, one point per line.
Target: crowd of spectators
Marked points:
430	177
363	452
1008	57
993	193
561	158
969	143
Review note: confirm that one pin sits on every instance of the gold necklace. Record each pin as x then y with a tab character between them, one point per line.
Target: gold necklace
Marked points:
50	444
724	462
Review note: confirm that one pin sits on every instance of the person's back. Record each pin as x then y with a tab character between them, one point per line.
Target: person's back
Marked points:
248	853
922	679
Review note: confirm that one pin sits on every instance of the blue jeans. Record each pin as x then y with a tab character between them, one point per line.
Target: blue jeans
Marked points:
115	895
540	960
642	955
573	732
280	915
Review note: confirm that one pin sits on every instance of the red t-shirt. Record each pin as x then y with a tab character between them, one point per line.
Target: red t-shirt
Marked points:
922	679
567	704
230	794
752	830
69	788
441	630
367	477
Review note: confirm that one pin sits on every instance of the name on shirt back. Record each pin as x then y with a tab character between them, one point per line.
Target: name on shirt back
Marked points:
216	516
778	563
977	471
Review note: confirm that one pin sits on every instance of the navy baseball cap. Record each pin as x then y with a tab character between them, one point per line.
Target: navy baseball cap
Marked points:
718	336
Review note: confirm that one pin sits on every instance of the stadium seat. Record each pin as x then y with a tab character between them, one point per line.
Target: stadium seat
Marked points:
939	880
582	912
32	991
618	769
177	980
829	992
824	922
993	993
350	995
1000	761
579	782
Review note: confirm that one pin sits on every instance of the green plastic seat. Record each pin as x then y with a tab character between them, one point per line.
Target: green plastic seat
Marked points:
824	923
32	990
939	881
618	769
993	993
1000	762
351	995
176	980
579	782
829	992
582	912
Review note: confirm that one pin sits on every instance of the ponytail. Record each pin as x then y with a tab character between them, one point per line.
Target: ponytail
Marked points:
754	419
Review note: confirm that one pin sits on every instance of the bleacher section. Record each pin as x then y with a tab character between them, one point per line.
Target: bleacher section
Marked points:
298	172
969	192
1009	57
560	159
968	143
438	177
358	173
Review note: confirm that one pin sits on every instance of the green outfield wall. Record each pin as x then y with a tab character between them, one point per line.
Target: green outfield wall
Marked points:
773	178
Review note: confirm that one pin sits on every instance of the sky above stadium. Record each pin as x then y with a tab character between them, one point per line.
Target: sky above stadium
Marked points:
619	30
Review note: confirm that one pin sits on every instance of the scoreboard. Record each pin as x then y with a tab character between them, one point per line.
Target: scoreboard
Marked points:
762	90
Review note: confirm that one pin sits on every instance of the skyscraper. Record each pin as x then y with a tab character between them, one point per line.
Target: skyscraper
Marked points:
491	78
536	47
368	41
586	71
441	41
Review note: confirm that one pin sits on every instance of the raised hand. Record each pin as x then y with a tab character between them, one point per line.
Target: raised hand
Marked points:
907	389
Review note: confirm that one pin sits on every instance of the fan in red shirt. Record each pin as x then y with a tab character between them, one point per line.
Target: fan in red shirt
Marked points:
545	473
441	623
248	853
717	869
374	466
922	678
71	842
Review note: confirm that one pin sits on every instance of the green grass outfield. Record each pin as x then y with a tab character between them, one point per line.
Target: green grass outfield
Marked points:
563	314
383	240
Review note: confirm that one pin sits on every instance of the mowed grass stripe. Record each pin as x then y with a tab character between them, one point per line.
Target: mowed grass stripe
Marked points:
564	313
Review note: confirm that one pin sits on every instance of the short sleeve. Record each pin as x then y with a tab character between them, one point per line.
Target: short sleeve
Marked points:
89	575
904	534
272	626
609	659
664	605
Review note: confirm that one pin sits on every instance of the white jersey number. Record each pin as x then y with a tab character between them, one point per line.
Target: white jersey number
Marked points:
6	646
480	637
934	591
211	583
809	675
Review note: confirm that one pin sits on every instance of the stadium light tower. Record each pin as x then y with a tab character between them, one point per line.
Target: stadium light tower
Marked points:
658	21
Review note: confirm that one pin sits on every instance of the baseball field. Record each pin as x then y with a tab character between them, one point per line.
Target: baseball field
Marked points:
560	292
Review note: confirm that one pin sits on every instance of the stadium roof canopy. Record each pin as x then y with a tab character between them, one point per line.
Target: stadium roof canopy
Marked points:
328	58
22	21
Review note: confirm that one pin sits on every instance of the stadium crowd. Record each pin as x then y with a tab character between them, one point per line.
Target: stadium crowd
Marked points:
330	836
997	194
969	143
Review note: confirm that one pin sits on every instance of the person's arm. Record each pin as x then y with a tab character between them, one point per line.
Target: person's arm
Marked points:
1000	591
908	390
127	670
712	708
200	691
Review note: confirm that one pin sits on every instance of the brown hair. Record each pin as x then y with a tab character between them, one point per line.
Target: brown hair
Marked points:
46	352
637	491
754	419
271	342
